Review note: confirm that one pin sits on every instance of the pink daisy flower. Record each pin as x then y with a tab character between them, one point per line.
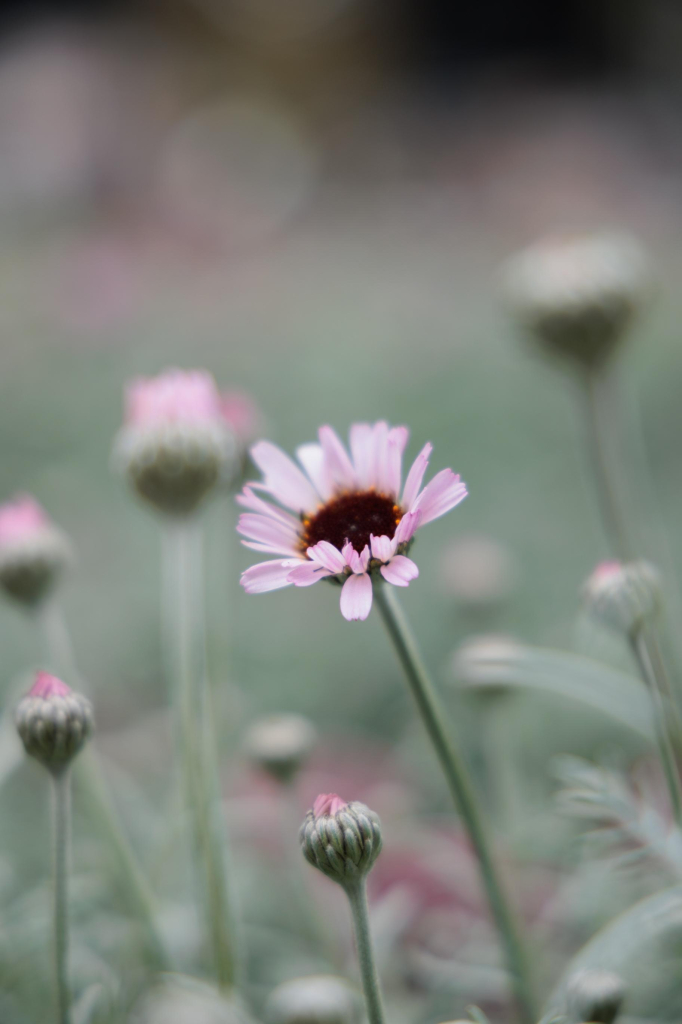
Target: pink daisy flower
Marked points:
352	522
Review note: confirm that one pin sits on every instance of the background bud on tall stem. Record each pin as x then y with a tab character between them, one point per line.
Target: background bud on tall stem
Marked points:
343	840
175	447
33	551
54	724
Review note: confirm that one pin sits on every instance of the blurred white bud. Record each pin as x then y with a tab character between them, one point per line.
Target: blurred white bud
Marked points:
595	995
577	296
183	1000
317	999
280	744
477	571
623	597
481	660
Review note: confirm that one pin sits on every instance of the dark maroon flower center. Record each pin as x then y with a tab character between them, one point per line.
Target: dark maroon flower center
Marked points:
352	517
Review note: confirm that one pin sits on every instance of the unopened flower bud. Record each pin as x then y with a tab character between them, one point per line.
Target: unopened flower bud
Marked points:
595	996
486	663
176	444
577	296
33	552
623	596
53	722
317	999
280	744
342	840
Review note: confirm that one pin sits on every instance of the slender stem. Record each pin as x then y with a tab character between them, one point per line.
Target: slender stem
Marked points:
600	425
461	788
89	779
142	901
61	826
197	744
357	896
642	651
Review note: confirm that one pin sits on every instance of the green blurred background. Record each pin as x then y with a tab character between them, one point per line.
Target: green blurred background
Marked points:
317	213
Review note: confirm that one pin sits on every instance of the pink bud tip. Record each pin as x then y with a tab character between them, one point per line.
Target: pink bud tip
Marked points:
606	569
175	396
19	518
242	414
328	803
47	686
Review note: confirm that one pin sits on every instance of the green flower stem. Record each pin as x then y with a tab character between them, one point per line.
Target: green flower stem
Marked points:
61	826
357	897
90	782
196	740
461	788
642	651
598	393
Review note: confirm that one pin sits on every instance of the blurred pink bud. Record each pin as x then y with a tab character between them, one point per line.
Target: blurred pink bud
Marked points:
328	803
47	686
175	396
33	552
20	518
242	415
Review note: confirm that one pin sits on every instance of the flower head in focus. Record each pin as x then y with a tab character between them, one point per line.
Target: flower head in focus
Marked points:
352	521
175	444
33	552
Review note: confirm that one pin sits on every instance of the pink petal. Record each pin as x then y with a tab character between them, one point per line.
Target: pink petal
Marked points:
362	450
250	500
313	461
307	573
415	476
406	528
281	538
440	495
397	440
348	552
338	463
268	575
382	547
358	562
328	556
328	803
380	475
356	597
399	571
283	478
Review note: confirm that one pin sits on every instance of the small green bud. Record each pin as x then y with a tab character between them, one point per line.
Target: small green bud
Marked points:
53	722
623	597
341	840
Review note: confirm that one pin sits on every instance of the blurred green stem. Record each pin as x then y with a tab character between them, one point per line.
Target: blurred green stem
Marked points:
89	780
642	650
357	896
61	825
196	736
601	420
462	790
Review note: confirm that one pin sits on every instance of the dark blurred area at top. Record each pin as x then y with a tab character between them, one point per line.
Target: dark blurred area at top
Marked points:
441	39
